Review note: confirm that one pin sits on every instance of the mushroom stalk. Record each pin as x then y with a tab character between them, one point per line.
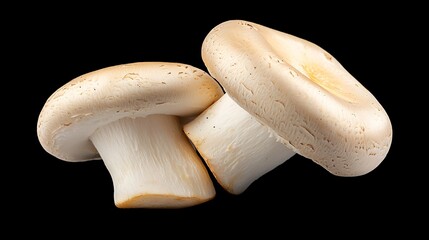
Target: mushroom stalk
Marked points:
236	147
152	163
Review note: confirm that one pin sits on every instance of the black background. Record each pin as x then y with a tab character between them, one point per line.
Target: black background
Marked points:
60	44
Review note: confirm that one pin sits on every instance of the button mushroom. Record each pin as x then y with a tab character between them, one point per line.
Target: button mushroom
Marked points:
129	116
300	93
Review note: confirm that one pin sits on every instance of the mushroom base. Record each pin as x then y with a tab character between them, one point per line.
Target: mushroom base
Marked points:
237	148
152	163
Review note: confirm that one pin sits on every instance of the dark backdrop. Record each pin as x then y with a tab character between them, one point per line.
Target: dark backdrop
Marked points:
60	44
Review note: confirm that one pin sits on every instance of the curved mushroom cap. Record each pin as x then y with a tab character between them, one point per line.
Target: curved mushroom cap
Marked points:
77	109
302	93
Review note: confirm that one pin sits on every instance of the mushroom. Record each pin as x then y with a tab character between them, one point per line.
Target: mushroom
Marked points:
129	116
304	97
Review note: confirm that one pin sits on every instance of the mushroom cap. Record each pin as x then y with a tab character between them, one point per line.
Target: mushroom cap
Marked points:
302	93
73	112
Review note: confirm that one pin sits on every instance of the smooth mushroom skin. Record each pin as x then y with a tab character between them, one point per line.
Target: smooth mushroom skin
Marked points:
302	93
73	112
129	115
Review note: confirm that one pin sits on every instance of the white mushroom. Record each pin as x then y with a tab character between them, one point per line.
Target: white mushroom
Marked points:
129	116
307	99
237	148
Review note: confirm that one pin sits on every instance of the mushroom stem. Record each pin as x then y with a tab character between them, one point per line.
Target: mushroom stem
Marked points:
152	163
236	147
